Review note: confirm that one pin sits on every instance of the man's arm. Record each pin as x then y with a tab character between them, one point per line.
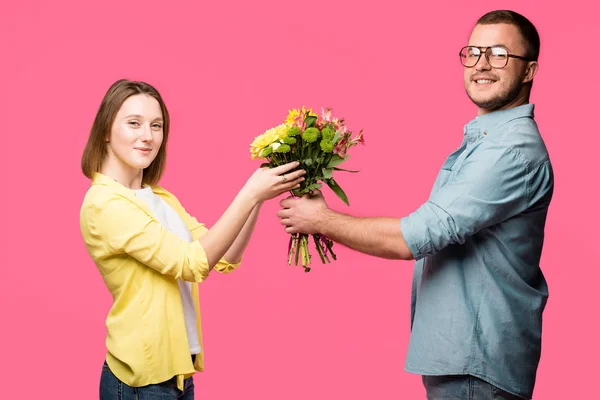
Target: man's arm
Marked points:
491	186
378	236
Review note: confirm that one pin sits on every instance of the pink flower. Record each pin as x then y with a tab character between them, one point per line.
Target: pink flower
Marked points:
359	139
299	122
326	115
338	125
341	147
320	122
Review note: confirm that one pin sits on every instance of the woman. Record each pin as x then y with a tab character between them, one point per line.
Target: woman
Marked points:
150	252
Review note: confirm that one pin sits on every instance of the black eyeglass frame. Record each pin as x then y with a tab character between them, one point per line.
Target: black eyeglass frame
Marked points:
487	58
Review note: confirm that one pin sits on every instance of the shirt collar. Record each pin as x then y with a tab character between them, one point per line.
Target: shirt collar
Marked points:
100	179
483	124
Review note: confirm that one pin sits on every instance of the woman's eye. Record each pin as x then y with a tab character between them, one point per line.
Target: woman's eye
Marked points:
157	126
133	123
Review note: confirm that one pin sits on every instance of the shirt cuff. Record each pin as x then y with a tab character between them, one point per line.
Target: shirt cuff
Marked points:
200	267
225	267
415	235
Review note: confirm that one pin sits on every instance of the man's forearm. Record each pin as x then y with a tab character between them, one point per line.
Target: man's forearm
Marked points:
376	236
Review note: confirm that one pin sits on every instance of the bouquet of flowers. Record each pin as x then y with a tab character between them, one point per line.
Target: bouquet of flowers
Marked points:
320	143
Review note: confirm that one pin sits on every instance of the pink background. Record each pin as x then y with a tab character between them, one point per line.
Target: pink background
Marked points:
228	71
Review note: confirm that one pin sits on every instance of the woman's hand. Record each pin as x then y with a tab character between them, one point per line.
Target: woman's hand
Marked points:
267	183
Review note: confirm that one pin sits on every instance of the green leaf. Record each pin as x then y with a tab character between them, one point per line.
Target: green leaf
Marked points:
314	186
310	121
337	190
306	190
327	173
307	161
345	170
336	160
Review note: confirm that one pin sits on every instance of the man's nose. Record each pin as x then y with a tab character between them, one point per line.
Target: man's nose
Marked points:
482	63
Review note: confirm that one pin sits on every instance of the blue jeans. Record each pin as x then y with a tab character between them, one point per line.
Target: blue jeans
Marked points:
111	388
463	387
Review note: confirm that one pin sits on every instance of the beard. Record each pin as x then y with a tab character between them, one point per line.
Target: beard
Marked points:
506	96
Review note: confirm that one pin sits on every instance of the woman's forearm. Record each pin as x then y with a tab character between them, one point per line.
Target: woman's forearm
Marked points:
221	236
264	184
235	252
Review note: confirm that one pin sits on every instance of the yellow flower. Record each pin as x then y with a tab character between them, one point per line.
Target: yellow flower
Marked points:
295	113
266	139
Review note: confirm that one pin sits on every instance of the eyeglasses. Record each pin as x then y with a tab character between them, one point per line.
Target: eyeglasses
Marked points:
496	56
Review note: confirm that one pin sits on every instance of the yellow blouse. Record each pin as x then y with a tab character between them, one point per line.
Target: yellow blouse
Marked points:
140	262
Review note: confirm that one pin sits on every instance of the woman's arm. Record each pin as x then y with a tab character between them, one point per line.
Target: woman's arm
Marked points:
236	251
263	185
113	225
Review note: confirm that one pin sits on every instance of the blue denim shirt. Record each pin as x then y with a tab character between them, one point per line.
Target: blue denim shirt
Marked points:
478	290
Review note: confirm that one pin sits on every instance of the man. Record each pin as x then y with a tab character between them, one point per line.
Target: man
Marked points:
478	291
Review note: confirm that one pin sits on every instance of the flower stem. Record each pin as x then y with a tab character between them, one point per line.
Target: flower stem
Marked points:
318	246
298	245
306	254
329	245
292	249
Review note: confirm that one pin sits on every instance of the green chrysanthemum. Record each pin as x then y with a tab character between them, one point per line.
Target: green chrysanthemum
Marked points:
289	140
328	133
284	148
326	145
310	135
266	151
293	131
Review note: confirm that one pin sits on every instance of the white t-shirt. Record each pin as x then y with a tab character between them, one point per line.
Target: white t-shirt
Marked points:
173	223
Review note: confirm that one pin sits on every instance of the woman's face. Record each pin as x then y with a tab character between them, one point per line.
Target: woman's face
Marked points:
136	134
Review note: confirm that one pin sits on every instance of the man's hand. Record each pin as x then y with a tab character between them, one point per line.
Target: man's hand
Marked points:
303	215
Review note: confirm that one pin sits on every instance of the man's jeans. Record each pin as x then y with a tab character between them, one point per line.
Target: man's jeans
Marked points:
111	388
463	387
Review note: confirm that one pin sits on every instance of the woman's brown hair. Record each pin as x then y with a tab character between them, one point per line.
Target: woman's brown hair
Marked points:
95	149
